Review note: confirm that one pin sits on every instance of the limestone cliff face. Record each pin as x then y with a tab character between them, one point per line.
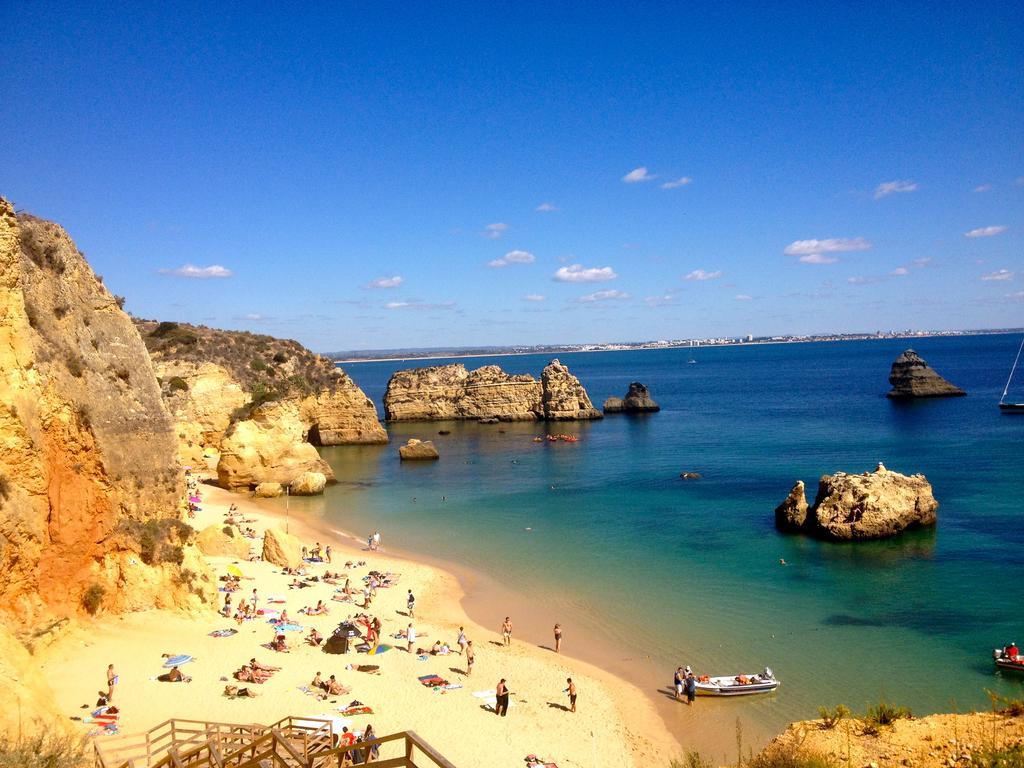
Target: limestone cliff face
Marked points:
451	392
342	415
202	405
86	443
565	399
271	446
872	505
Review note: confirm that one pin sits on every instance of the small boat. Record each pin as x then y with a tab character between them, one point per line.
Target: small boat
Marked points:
737	685
692	360
1008	663
1017	407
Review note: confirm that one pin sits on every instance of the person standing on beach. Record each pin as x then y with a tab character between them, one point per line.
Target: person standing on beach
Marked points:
327	553
410	603
254	601
501	698
558	638
679	680
376	539
461	642
111	682
410	636
571	690
470	658
506	631
691	688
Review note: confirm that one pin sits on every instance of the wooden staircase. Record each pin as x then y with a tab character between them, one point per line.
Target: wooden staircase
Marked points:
294	742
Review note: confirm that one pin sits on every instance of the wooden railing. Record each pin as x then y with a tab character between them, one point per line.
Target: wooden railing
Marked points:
292	742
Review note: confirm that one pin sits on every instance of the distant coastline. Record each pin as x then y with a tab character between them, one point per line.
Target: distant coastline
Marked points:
379	356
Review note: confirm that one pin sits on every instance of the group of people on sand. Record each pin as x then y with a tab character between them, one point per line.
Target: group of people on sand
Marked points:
329	687
685	683
317	554
254	672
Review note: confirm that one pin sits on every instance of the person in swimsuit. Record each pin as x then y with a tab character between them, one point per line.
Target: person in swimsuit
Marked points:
506	631
111	682
571	690
470	658
558	638
461	642
501	696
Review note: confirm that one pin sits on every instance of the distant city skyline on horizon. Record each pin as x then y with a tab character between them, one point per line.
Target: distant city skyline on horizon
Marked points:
398	179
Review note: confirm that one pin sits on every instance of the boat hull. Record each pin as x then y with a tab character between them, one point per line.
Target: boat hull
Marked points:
727	686
1011	407
1010	666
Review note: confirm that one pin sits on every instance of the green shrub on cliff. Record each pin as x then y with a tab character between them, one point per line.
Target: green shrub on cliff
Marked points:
158	541
93	598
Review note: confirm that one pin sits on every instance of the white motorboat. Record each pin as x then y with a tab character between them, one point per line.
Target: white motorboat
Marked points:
737	685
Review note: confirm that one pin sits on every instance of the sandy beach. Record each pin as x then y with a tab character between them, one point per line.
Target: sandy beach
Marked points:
615	724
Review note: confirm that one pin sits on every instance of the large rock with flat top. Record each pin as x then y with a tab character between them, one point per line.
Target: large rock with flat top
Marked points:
308	484
281	548
418	450
487	394
912	377
222	540
873	505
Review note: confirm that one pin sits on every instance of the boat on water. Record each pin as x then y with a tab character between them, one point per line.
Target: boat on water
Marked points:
1012	407
737	685
1007	661
692	360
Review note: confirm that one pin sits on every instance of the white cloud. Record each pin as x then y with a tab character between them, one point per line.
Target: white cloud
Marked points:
817	258
669	297
577	273
545	208
923	262
862	280
983	188
743	297
999	274
828	245
386	282
533	297
496	230
253	316
602	296
513	257
682	182
701	274
1018	296
985	231
191	270
638	174
887	188
900	271
812	251
419	305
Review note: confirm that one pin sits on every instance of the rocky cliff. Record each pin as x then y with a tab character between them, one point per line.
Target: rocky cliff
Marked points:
872	505
90	488
911	377
217	383
451	392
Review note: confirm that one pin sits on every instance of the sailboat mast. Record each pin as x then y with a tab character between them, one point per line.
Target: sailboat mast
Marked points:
1016	360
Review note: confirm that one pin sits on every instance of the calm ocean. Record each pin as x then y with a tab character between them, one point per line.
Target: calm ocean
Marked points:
687	572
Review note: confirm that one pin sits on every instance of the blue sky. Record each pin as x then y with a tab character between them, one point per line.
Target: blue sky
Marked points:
373	176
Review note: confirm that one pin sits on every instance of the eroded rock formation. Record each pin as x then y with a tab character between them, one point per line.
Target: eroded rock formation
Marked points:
637	400
90	484
223	541
872	505
308	484
281	548
451	392
912	377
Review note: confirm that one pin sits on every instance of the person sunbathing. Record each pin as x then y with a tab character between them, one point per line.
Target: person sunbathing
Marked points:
320	610
247	675
234	692
334	688
174	676
315	638
279	644
262	667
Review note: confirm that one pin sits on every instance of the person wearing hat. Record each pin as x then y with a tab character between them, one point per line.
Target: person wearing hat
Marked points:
1011	651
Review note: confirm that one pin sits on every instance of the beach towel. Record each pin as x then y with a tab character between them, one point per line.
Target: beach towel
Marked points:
177	661
223	632
453	686
371	668
362	709
432	680
290	627
382	648
276	599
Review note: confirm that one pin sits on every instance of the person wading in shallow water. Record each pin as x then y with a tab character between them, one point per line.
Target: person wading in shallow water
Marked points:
558	638
691	688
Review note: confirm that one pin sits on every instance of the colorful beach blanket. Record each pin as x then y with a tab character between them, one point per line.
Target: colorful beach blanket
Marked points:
431	681
360	710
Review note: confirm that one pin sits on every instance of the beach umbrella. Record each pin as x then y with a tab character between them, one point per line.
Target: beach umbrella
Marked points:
379	650
234	570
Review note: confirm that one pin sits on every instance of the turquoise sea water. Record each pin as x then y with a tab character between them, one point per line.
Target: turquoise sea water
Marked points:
687	572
